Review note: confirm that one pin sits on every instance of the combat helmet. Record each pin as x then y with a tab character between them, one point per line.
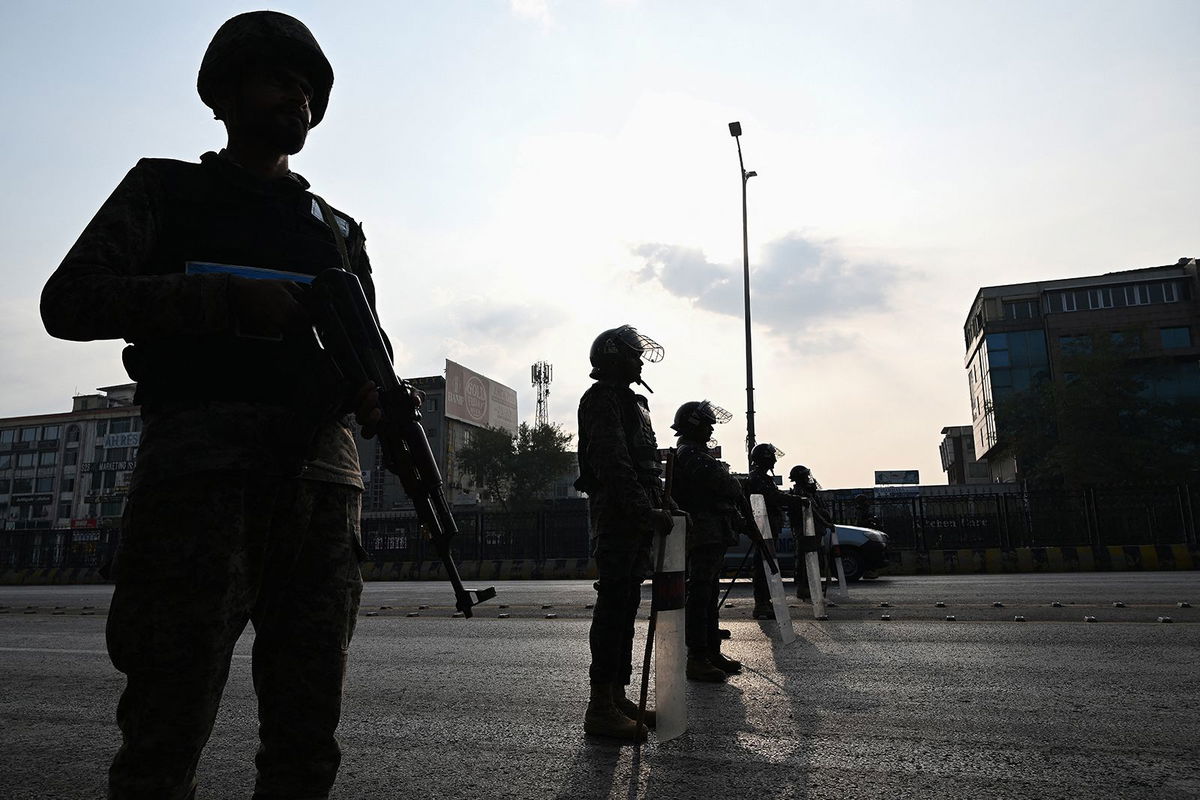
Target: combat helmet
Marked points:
616	346
765	455
695	415
258	35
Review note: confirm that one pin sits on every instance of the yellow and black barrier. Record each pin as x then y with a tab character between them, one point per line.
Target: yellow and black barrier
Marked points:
1110	558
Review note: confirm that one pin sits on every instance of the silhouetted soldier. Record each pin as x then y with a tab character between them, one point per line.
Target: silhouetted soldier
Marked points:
762	461
620	470
713	498
805	487
244	502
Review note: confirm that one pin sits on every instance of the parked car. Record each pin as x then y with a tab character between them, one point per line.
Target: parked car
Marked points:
863	550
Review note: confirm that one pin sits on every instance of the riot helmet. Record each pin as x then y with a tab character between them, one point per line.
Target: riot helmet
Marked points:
617	354
695	419
765	455
258	36
800	474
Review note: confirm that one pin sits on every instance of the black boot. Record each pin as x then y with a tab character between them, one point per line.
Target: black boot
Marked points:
699	668
630	708
603	718
730	666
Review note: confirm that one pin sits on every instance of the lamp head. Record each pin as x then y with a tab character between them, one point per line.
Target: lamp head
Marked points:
735	129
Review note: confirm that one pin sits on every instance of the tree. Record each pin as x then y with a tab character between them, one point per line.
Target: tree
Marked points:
514	467
1101	423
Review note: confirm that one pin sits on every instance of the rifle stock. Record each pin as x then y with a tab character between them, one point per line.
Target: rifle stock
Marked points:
350	335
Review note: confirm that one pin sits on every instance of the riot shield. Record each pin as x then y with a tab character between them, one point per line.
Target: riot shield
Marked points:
670	647
812	560
783	615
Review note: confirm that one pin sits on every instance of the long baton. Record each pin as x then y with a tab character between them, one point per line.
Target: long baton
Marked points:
736	575
662	553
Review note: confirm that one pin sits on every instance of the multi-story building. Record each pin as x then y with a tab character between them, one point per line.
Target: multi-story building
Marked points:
455	406
70	469
1017	335
958	457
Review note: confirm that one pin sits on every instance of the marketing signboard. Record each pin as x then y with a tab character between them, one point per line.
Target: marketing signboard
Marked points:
477	400
894	476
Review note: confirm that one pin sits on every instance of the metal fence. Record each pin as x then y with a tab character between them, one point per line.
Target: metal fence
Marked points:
1115	515
1102	515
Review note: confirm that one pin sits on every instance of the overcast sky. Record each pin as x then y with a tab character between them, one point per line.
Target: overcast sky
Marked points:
532	172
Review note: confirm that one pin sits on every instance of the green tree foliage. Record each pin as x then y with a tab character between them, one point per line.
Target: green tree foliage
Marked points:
513	468
1101	423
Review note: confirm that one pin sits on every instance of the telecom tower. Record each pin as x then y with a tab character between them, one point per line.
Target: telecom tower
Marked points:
541	374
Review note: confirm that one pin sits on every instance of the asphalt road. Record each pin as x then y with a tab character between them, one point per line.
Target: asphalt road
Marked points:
858	707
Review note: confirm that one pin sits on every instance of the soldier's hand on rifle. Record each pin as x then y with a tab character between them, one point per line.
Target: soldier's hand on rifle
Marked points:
266	308
367	412
661	521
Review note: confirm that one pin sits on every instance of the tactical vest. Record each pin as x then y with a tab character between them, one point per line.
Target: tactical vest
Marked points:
639	441
700	481
215	212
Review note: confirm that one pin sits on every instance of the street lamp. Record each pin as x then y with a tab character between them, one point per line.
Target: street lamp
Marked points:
735	130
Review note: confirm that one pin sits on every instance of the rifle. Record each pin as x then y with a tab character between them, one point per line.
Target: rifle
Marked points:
756	541
348	332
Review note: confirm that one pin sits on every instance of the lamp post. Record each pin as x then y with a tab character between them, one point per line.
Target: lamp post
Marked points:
735	130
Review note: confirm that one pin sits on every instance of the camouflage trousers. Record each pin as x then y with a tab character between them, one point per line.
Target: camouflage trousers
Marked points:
200	556
622	563
701	627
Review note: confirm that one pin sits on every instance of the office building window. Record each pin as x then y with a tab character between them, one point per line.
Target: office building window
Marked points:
101	427
44	485
48	458
5	485
1020	309
51	432
7	436
1129	341
73	434
1075	345
121	425
29	434
1173	338
22	486
64	510
68	485
5	461
71	458
25	460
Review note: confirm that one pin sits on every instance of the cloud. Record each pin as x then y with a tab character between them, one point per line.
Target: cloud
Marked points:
802	289
489	320
537	10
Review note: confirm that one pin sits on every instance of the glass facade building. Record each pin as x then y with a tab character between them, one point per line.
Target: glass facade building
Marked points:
1017	335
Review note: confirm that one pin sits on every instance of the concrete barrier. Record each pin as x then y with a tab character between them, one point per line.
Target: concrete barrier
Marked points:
1111	558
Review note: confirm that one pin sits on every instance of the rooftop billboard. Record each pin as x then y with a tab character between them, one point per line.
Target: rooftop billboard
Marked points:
477	400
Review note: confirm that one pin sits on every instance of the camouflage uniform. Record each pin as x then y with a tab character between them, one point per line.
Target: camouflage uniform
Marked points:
761	483
620	471
822	522
244	502
705	490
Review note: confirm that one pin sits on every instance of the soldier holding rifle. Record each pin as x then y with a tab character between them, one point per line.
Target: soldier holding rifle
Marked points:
244	503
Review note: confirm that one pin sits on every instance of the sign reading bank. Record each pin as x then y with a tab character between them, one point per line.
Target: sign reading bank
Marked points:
476	400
